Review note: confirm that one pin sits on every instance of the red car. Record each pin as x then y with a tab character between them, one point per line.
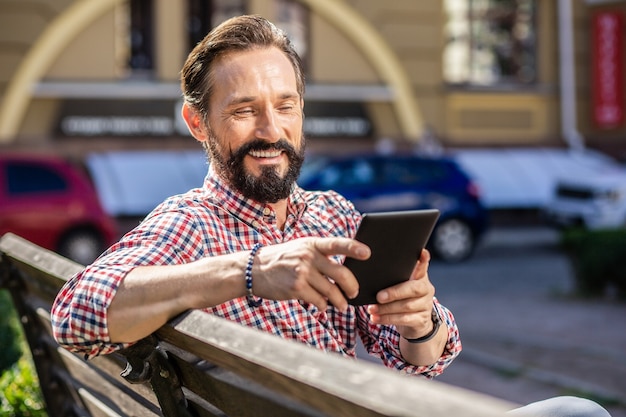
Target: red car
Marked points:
53	203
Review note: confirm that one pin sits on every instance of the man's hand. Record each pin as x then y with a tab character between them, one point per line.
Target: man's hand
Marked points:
301	268
409	307
409	304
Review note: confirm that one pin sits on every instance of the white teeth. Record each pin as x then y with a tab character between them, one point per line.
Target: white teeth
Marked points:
265	154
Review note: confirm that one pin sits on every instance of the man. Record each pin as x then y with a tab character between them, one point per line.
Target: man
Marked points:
243	88
250	245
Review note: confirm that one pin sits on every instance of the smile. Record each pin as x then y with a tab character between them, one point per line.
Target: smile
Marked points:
272	153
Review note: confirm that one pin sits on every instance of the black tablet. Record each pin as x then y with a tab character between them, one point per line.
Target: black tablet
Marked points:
396	240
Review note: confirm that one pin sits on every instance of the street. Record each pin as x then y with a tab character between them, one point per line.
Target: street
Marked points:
525	336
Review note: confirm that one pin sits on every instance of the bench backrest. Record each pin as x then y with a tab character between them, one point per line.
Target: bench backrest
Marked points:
201	365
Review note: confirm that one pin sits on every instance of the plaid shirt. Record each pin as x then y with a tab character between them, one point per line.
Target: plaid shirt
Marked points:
215	220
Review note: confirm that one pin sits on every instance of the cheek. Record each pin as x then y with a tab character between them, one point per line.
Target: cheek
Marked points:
234	135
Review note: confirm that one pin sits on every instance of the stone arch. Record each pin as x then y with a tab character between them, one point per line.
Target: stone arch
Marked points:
56	36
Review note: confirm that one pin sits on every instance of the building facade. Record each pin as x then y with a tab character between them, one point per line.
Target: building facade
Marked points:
84	75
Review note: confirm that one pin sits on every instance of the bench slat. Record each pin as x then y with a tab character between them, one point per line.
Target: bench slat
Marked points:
335	385
231	393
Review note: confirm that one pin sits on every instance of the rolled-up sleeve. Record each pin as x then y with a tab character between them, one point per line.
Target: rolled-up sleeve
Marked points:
384	342
79	312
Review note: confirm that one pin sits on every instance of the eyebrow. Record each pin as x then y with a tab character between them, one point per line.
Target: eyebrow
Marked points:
249	99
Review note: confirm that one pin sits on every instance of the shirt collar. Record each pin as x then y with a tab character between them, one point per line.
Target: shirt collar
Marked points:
233	201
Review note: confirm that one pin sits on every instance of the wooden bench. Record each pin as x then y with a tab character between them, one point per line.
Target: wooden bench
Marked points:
200	365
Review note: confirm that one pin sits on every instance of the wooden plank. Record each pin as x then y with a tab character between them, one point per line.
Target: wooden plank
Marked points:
231	393
45	270
118	398
46	265
334	385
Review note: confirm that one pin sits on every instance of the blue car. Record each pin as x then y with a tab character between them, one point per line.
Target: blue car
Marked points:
377	183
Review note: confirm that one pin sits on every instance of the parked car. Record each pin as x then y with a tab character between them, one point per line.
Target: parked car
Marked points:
590	201
377	183
53	203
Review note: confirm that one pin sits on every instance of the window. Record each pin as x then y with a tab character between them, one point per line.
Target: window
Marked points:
291	17
490	42
29	178
141	36
204	15
359	172
135	40
415	172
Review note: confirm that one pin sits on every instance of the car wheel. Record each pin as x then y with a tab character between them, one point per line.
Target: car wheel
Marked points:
82	246
452	240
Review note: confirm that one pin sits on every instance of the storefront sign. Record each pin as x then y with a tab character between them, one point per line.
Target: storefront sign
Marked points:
162	118
336	119
608	69
117	118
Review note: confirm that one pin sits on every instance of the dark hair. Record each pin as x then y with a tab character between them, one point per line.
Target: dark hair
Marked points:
239	33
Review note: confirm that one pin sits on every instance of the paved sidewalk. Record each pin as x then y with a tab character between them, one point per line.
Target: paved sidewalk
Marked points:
524	338
522	346
524	356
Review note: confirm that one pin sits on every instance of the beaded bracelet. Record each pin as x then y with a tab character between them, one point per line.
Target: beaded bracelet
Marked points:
252	302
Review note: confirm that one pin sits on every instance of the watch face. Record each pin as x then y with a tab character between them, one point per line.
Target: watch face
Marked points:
435	316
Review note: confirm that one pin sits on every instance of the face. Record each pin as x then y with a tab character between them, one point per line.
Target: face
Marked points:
254	129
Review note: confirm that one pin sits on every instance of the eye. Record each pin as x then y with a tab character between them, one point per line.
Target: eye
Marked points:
244	111
287	106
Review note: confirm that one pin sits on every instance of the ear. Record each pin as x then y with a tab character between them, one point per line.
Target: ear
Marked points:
194	123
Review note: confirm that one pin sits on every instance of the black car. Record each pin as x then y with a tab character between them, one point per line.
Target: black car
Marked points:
376	183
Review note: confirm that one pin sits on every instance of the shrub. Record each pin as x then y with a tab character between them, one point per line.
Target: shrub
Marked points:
599	260
9	333
19	391
20	395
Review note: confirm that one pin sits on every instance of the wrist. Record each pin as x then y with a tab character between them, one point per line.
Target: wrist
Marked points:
436	321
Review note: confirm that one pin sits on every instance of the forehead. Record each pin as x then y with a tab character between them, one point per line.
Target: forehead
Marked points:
253	72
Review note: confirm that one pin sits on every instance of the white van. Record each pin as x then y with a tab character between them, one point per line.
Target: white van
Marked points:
592	201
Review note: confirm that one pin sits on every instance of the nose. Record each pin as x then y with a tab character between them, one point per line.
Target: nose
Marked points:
268	126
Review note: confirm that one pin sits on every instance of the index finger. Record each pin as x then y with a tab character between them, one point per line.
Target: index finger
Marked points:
342	246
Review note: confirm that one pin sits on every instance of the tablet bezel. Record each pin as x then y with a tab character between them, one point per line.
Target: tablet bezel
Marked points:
396	240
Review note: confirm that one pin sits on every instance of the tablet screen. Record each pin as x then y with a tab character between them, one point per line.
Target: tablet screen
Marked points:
396	240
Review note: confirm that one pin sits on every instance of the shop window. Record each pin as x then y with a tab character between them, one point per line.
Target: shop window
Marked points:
490	42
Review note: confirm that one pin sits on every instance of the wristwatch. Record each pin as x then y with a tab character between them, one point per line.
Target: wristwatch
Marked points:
436	323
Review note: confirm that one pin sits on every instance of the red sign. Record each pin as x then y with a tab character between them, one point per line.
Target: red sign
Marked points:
608	69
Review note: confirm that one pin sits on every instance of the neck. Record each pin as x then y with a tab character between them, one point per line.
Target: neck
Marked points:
280	208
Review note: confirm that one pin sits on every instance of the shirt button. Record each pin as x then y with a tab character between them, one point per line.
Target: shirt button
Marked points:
255	224
266	211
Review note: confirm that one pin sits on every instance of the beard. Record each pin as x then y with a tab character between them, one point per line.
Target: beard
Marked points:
269	186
